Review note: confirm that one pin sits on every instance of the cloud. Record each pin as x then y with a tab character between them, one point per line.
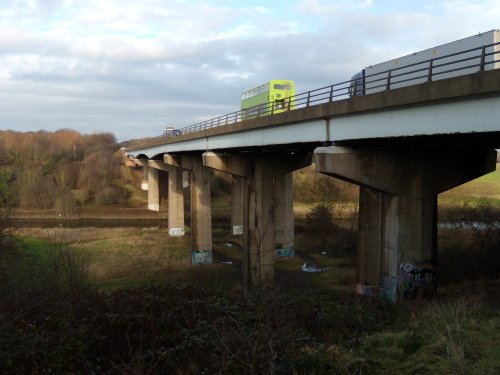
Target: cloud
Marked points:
131	67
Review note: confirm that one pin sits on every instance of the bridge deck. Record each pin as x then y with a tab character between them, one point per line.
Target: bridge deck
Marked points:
465	105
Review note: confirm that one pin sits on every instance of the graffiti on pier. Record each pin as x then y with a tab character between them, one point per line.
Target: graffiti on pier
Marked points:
202	257
176	232
416	280
386	289
412	281
285	253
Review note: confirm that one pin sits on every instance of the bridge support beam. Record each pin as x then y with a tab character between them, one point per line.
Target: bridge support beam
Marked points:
398	202
263	178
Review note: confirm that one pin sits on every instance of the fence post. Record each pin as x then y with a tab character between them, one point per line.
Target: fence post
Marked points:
272	108
331	93
289	102
483	58
388	87
308	98
429	75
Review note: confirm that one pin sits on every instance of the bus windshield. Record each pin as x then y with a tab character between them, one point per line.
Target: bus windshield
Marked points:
281	86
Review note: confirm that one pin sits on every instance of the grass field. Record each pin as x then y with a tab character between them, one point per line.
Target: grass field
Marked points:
486	187
119	257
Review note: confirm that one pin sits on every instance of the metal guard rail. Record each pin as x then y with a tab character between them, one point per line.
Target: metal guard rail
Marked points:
426	70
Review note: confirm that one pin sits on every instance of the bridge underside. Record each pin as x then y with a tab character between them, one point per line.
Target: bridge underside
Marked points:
398	203
423	142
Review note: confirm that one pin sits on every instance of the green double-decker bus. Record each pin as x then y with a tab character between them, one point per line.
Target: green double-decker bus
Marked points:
271	97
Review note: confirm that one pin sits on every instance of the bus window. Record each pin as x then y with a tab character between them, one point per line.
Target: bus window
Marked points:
278	86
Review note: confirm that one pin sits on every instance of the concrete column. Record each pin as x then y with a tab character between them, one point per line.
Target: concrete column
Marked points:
371	262
163	189
398	200
158	177
200	208
201	213
144	166
175	202
171	183
259	239
153	190
237	197
284	223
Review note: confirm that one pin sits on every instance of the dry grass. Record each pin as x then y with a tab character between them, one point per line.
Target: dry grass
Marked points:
116	253
128	256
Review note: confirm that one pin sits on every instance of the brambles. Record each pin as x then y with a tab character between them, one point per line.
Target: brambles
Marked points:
469	243
176	328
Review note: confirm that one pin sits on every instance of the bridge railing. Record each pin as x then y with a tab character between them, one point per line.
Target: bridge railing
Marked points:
451	65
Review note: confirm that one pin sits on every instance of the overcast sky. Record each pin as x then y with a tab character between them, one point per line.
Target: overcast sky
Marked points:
132	67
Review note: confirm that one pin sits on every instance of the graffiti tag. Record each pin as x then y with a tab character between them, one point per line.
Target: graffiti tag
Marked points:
285	253
175	232
202	257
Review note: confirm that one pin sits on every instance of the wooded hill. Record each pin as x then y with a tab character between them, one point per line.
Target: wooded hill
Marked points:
63	169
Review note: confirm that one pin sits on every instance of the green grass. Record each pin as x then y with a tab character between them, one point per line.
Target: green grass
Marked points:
36	247
459	337
486	187
119	257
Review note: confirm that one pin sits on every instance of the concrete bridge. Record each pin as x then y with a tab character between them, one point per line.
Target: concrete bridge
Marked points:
402	147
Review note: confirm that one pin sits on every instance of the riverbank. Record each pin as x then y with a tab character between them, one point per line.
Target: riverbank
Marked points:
92	212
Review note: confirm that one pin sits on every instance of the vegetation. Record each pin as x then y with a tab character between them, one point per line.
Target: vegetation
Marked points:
128	300
64	169
190	329
182	319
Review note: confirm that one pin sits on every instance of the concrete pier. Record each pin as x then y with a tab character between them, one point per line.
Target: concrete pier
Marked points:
171	189
267	199
398	200
176	223
201	212
284	222
153	191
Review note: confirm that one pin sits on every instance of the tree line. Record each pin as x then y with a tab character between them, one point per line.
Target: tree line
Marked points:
62	169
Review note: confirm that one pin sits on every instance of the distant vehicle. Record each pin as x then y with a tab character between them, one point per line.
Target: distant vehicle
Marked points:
271	97
171	131
460	57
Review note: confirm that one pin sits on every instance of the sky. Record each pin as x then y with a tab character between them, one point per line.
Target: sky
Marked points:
132	67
